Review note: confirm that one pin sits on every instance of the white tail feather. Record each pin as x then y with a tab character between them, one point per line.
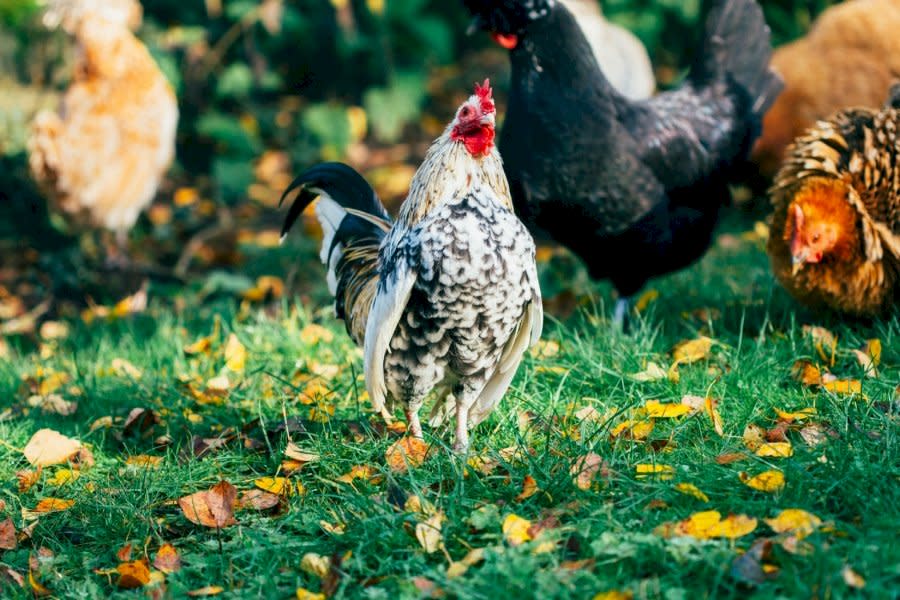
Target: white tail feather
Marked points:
330	215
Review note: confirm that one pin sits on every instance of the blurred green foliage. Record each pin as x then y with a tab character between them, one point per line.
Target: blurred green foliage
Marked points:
258	74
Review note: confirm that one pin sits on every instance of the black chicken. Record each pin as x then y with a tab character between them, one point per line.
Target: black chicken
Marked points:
632	187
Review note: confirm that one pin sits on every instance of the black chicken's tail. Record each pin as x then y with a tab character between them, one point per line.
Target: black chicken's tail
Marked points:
354	222
738	43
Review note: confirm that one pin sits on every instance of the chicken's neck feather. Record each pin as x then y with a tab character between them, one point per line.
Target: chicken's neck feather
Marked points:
447	174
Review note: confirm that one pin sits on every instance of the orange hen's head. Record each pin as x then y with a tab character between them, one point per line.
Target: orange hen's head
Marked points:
821	224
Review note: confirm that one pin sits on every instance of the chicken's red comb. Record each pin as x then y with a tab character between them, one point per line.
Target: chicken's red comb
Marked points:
485	95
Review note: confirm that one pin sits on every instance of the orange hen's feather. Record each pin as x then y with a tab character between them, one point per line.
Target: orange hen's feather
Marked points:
841	180
849	58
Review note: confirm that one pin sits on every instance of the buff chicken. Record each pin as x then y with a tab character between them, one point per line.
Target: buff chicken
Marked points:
101	157
835	238
848	58
445	298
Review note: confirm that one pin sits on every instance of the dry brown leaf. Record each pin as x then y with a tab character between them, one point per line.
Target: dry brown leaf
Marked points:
124	553
47	447
405	453
257	500
123	368
7	535
730	457
167	559
754	436
294	452
211	508
53	404
133	574
27	479
585	469
852	578
813	434
529	488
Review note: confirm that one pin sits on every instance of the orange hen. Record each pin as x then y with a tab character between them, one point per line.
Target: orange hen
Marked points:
101	157
849	57
835	238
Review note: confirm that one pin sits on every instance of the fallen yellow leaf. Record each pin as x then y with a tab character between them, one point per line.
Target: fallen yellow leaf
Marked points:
313	334
315	564
710	524
304	594
280	486
794	520
63	476
806	373
235	354
632	430
767	481
544	349
144	461
659	410
364	472
692	490
428	533
652	372
665	472
843	386
797	415
691	351
775	450
49	505
133	574
515	530
209	590
613	595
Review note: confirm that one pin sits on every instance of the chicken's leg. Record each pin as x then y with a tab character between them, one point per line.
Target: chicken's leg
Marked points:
622	311
414	426
466	393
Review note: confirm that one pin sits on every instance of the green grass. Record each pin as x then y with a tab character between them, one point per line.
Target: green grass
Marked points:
850	482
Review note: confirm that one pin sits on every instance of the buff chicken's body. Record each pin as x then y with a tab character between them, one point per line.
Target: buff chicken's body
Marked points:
102	156
445	298
835	240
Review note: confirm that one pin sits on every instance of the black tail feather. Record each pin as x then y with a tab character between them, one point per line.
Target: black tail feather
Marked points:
347	187
738	43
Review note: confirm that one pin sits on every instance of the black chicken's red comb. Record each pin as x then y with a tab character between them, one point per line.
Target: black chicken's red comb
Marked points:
485	95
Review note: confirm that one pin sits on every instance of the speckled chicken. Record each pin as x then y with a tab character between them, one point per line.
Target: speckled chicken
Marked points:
835	237
101	157
445	298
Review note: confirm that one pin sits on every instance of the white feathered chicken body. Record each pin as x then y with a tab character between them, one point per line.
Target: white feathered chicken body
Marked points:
446	298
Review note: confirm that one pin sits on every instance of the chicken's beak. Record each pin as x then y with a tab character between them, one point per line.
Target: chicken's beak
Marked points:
797	262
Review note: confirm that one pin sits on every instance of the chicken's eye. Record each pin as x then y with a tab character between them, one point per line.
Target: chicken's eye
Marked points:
465	112
815	238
